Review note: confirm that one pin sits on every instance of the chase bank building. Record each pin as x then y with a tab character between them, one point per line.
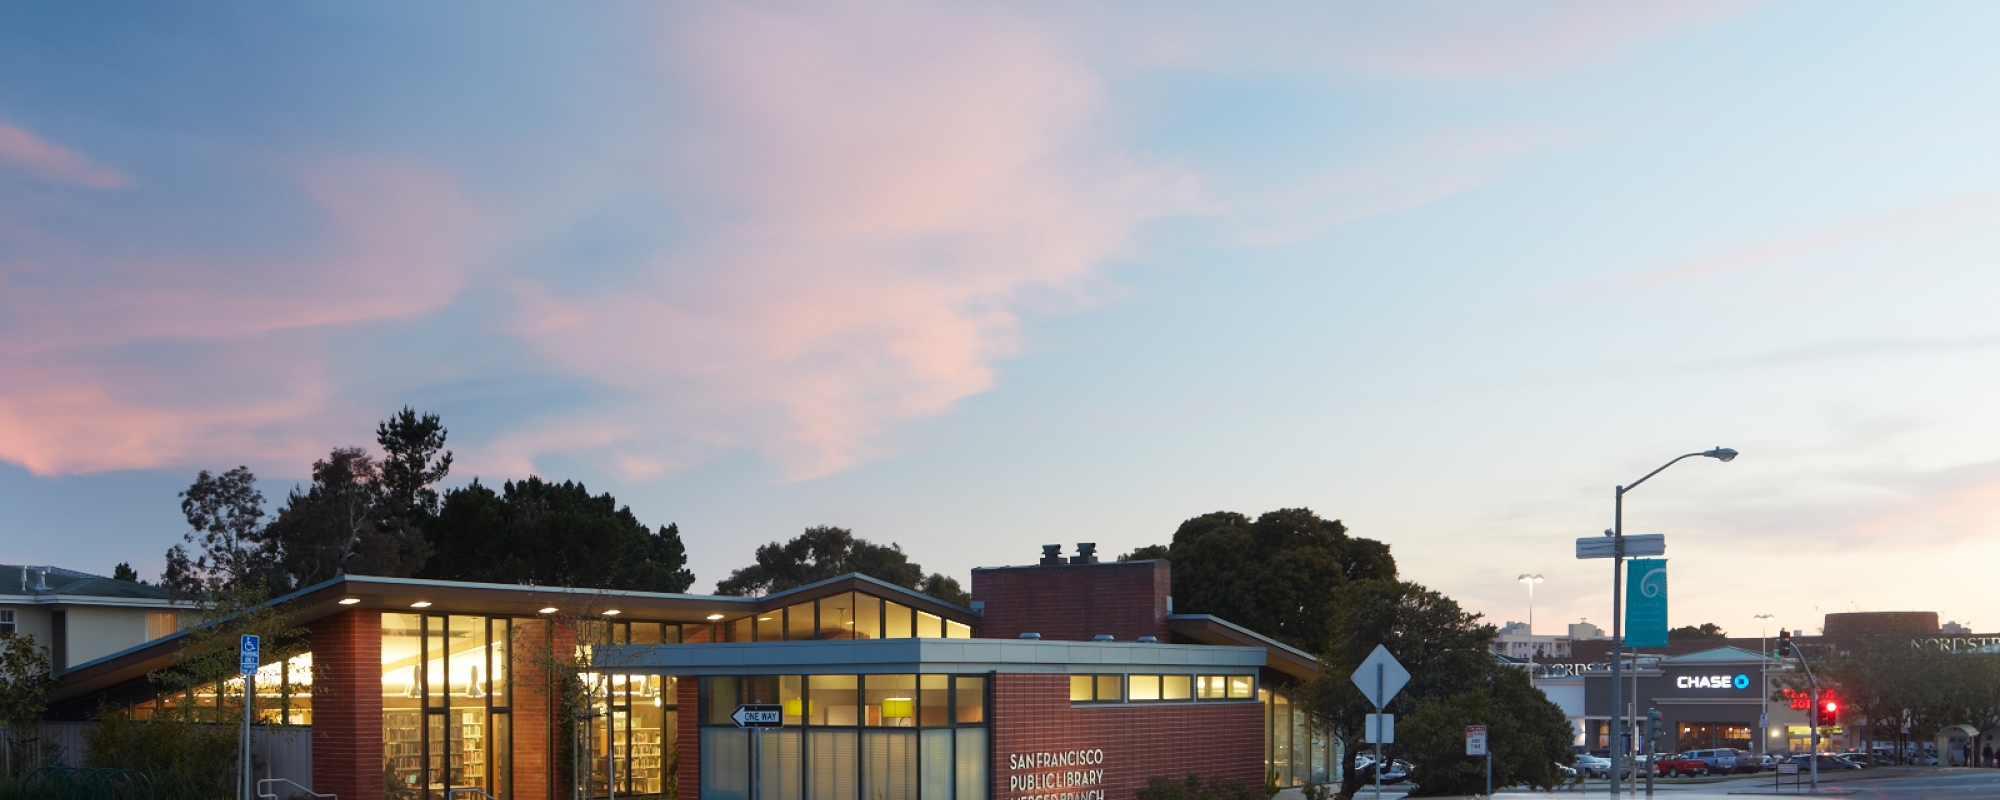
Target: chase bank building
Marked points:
1711	698
1066	680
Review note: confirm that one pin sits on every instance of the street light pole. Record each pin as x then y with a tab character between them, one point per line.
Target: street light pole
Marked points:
1531	580
1764	682
1618	596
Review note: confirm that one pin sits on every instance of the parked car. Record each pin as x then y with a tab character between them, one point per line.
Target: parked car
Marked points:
1594	766
1720	761
1676	766
1827	762
1859	758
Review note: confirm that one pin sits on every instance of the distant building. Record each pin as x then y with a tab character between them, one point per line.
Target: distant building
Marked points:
83	617
1585	632
1515	641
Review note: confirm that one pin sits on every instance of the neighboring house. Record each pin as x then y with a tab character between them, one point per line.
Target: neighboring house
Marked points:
82	617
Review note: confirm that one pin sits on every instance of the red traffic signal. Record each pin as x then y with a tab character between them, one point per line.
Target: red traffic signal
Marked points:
1828	713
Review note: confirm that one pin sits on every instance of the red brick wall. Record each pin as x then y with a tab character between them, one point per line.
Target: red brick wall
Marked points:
1075	602
347	705
534	711
688	694
1032	714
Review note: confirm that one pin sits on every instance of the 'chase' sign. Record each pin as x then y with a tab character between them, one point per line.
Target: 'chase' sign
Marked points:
1713	681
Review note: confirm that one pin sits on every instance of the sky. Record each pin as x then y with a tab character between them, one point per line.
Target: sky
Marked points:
976	277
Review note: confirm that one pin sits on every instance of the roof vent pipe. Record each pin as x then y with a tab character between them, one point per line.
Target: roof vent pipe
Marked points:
1149	640
1103	637
1086	553
1030	635
42	580
1051	555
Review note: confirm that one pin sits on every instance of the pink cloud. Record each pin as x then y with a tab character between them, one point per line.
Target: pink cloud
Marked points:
893	186
29	153
248	378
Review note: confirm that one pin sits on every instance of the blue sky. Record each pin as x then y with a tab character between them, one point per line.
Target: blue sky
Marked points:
978	277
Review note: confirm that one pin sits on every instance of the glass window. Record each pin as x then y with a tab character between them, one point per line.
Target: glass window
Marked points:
670	633
799	624
935	771
1110	688
971	767
771	626
778	774
725	763
834	700
434	677
889	764
1212	687
645	632
1242	687
499	650
1143	687
867	617
934	700
891	702
969	697
836	616
1174	687
739	630
760	689
929	626
895	621
698	634
957	630
1081	688
722	697
402	700
791	695
834	773
157	625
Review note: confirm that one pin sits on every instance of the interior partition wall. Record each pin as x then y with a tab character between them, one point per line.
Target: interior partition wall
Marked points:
847	737
446	713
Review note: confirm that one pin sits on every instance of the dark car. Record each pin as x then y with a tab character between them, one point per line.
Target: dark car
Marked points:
1827	762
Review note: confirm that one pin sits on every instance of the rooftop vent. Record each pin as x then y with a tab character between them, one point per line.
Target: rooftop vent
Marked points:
1103	637
1030	635
1086	553
1051	555
1149	640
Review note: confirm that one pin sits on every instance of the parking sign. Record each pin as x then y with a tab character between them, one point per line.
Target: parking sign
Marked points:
249	654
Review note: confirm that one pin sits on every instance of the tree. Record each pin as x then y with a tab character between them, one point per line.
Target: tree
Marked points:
229	549
124	572
1527	735
345	522
26	683
1690	633
824	552
411	462
1445	649
1277	575
537	532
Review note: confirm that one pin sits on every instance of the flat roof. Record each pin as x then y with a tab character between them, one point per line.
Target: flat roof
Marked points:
882	656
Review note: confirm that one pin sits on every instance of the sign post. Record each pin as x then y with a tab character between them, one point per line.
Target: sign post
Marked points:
1380	677
249	656
1475	745
756	717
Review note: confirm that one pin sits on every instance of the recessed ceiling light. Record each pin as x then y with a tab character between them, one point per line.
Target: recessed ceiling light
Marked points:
421	604
611	613
348	601
549	610
763	619
715	616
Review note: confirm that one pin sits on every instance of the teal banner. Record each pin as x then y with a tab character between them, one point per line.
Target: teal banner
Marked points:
1646	603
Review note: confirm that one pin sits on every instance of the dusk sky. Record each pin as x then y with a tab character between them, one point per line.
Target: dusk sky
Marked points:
977	277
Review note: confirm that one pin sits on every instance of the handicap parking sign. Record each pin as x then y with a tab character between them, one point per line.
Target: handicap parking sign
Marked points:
249	654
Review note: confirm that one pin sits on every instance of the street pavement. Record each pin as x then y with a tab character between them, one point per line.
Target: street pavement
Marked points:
1901	783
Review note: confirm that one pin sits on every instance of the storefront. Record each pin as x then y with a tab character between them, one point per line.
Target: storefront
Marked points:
1069	681
1714	698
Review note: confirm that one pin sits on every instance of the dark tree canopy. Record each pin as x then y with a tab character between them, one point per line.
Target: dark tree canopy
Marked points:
412	463
344	522
1527	734
1689	633
827	552
124	572
1276	575
225	547
537	532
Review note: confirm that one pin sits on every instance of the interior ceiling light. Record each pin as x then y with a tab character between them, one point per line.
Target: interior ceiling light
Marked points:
421	604
548	610
714	616
611	612
348	601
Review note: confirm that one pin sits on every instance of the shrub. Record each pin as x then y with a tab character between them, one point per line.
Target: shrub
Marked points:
186	760
1194	788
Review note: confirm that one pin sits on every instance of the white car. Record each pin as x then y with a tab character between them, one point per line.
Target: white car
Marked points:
1593	767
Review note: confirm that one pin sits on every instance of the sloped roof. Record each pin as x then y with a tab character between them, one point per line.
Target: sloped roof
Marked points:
1717	654
23	580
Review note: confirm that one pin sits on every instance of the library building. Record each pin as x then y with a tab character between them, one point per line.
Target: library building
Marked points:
1066	680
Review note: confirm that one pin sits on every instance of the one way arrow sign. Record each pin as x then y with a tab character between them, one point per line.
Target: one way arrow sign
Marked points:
759	715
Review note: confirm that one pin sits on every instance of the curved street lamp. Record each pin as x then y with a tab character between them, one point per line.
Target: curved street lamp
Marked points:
1723	454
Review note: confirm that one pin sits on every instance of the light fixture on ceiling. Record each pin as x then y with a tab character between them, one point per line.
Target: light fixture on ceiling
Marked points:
611	612
714	617
348	601
421	604
547	610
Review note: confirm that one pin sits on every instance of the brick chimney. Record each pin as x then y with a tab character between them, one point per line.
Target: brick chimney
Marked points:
1076	599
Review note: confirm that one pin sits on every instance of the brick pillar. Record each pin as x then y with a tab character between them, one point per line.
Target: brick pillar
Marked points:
687	693
541	769
347	705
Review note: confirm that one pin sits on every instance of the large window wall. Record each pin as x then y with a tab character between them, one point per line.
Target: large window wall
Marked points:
1295	754
446	713
848	615
847	737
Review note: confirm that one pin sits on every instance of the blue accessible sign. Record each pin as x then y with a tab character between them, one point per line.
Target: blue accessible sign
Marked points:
249	654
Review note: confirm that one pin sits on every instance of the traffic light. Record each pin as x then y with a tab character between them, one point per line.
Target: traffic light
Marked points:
1654	723
1828	714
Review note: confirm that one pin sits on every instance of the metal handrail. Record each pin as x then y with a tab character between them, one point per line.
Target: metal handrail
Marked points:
274	795
468	790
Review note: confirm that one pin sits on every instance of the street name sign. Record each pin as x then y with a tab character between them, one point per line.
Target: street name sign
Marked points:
1638	544
1379	729
759	715
249	654
1475	740
1380	677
